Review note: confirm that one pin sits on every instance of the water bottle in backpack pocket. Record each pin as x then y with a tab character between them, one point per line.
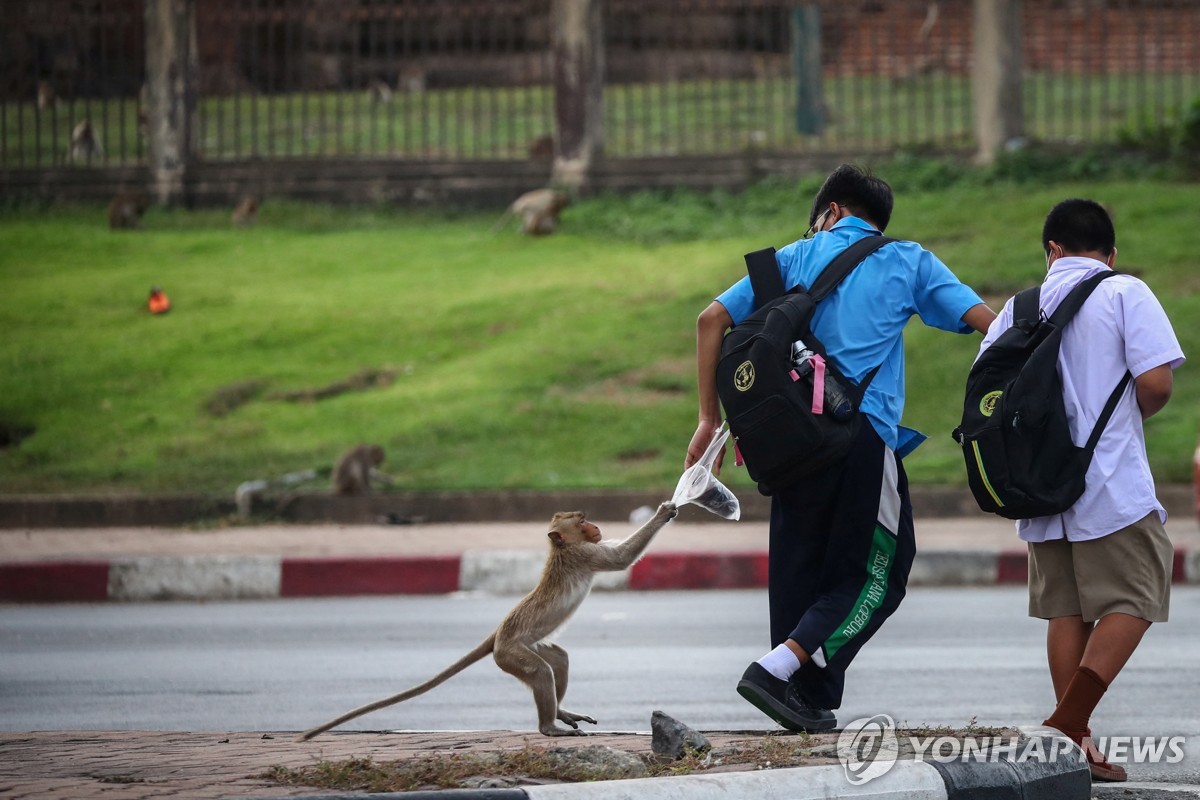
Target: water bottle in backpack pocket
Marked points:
791	410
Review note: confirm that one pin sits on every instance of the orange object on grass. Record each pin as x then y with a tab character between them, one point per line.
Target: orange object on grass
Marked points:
158	303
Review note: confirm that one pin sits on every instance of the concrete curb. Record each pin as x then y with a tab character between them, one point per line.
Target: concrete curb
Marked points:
1063	779
219	577
908	780
89	511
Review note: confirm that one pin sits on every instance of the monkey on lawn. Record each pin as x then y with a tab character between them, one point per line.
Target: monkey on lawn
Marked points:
357	467
520	644
538	210
245	213
126	209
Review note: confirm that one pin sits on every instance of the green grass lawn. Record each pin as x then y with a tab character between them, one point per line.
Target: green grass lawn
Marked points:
559	362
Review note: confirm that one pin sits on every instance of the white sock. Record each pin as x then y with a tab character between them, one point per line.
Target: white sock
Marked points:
780	662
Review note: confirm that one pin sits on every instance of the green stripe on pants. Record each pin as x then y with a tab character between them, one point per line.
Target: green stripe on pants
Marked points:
879	567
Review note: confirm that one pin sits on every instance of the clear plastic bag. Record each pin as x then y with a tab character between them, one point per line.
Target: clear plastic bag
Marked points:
698	484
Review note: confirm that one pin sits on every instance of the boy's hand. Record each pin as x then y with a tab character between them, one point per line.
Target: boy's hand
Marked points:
701	439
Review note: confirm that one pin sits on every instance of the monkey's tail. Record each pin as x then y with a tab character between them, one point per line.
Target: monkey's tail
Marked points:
500	223
485	647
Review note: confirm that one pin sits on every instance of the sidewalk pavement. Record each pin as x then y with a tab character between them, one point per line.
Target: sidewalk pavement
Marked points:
138	765
268	561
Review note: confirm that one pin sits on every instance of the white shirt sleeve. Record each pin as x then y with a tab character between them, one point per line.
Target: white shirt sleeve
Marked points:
1150	340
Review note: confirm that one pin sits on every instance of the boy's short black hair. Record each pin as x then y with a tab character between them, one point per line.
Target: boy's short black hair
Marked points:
864	194
1080	226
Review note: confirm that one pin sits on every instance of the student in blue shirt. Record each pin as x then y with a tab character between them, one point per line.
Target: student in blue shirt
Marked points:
841	542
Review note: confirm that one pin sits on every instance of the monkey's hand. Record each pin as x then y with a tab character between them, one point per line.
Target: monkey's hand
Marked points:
667	511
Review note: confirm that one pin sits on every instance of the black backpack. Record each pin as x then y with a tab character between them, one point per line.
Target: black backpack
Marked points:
768	396
1021	462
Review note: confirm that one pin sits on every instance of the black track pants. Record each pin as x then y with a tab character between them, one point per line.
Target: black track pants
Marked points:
841	548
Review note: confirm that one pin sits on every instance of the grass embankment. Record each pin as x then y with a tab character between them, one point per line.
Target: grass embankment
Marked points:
510	362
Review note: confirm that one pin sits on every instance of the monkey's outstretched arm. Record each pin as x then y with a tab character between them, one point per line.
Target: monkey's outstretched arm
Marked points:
484	648
622	554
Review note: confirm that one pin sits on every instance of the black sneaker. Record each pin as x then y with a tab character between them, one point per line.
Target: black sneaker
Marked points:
780	701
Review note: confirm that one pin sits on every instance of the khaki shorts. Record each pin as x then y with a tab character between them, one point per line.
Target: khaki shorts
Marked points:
1126	572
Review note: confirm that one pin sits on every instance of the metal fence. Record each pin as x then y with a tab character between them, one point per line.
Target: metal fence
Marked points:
472	79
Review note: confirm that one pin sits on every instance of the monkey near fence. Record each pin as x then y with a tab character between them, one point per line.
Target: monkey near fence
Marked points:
126	209
538	209
85	143
245	213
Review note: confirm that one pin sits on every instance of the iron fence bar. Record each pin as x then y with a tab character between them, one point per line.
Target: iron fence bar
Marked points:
37	133
122	118
272	83
339	117
1069	96
1142	63
393	75
1160	56
479	92
234	92
505	107
873	111
291	88
253	86
351	83
373	74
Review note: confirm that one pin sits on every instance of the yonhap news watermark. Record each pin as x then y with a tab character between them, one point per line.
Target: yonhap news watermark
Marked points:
869	747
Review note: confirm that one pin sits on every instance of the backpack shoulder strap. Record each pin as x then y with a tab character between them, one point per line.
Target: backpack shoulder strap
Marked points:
1075	299
844	263
767	283
1027	306
1067	309
1106	414
764	276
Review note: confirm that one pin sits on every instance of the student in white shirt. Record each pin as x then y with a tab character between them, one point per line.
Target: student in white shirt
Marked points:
1101	571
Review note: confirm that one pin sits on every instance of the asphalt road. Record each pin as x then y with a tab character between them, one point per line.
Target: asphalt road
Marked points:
948	657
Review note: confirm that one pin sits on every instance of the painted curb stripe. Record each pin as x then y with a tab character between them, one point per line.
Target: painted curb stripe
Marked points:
700	571
324	577
242	577
54	582
194	578
1012	566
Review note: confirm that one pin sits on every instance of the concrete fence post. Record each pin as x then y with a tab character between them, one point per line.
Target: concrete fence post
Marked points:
996	76
172	83
806	67
578	49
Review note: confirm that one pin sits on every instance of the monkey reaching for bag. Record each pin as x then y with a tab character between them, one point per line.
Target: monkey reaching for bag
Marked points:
520	644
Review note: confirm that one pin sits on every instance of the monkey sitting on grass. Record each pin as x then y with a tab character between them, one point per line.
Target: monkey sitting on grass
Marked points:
521	645
357	467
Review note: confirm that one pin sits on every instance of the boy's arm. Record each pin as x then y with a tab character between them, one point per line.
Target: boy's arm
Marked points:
1153	389
979	317
710	330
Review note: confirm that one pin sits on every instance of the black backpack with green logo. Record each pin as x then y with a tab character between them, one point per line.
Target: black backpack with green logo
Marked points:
1016	440
792	414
